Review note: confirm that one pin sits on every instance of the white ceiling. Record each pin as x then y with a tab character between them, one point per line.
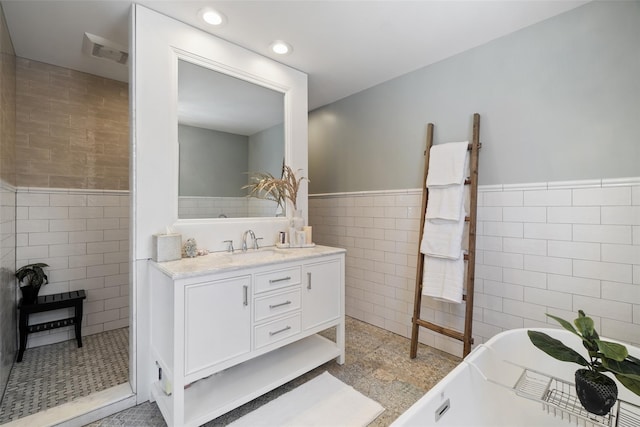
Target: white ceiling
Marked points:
344	46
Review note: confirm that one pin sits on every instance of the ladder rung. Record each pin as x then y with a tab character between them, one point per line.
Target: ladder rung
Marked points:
437	328
442	330
464	256
469	148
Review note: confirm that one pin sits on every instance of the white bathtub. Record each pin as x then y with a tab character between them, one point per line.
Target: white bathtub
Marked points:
481	391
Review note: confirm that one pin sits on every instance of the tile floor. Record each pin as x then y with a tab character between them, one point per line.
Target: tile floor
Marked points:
58	373
377	365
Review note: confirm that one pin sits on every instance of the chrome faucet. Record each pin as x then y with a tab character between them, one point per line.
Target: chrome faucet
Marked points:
244	240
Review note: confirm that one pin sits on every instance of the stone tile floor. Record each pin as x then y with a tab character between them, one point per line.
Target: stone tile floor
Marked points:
377	365
58	373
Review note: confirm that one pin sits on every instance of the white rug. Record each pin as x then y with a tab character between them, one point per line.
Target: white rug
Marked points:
323	401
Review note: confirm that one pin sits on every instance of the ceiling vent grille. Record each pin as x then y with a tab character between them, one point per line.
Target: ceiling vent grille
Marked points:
99	47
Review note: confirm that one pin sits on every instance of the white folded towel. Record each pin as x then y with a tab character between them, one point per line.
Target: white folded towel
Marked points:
450	203
446	203
442	238
443	279
447	164
446	180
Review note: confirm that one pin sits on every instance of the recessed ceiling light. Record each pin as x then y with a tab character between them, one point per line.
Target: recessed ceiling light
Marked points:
212	16
281	48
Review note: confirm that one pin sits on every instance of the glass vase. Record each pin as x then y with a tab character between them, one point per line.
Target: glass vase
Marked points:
297	221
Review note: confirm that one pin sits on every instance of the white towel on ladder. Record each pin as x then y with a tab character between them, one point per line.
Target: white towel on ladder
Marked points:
443	279
442	238
448	168
447	164
443	276
446	203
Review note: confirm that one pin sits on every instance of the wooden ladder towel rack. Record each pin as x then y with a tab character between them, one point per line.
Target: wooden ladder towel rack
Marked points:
470	258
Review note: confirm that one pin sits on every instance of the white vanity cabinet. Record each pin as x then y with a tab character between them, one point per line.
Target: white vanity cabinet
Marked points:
226	329
322	284
216	312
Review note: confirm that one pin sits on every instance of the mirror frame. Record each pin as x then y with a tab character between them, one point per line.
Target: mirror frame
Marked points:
276	91
266	226
247	77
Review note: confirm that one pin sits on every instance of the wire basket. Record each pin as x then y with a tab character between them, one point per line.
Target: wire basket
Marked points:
559	398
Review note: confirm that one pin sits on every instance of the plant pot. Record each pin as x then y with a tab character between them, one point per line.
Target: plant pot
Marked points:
29	294
597	392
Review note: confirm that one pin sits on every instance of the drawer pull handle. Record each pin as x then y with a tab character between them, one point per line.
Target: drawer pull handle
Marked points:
245	294
308	280
283	279
279	305
279	331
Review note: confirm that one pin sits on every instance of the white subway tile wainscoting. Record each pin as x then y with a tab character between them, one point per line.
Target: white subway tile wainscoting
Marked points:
83	235
224	207
552	247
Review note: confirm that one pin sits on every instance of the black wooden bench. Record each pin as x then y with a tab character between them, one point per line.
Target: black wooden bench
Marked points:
47	303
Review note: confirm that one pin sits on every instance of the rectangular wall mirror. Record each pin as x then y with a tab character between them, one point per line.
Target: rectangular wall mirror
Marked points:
227	128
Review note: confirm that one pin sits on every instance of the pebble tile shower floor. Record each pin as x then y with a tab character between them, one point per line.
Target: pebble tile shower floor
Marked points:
377	365
58	373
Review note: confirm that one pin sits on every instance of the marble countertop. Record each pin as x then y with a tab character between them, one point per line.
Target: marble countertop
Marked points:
218	262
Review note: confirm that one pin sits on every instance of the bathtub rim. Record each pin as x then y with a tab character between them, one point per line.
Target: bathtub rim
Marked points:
437	392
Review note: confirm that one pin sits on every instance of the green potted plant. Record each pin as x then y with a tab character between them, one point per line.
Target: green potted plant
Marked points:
596	391
30	278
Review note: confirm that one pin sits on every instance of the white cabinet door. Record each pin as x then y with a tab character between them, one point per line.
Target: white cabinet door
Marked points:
217	322
321	297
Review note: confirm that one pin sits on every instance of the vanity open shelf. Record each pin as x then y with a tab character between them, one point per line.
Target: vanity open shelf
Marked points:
225	333
220	393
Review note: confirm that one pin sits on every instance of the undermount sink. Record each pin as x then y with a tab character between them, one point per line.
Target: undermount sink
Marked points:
251	254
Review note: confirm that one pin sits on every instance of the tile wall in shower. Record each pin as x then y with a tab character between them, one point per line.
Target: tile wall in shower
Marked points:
83	235
72	128
7	203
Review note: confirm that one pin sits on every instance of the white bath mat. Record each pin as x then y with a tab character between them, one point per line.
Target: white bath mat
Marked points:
323	401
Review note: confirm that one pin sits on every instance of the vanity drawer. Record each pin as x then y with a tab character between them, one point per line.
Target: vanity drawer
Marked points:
276	304
276	331
277	279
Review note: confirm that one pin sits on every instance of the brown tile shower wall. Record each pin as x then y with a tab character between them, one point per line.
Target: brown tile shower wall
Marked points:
72	203
7	203
72	129
7	107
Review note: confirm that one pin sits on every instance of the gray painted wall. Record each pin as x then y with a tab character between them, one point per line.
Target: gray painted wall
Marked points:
212	163
559	100
266	151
